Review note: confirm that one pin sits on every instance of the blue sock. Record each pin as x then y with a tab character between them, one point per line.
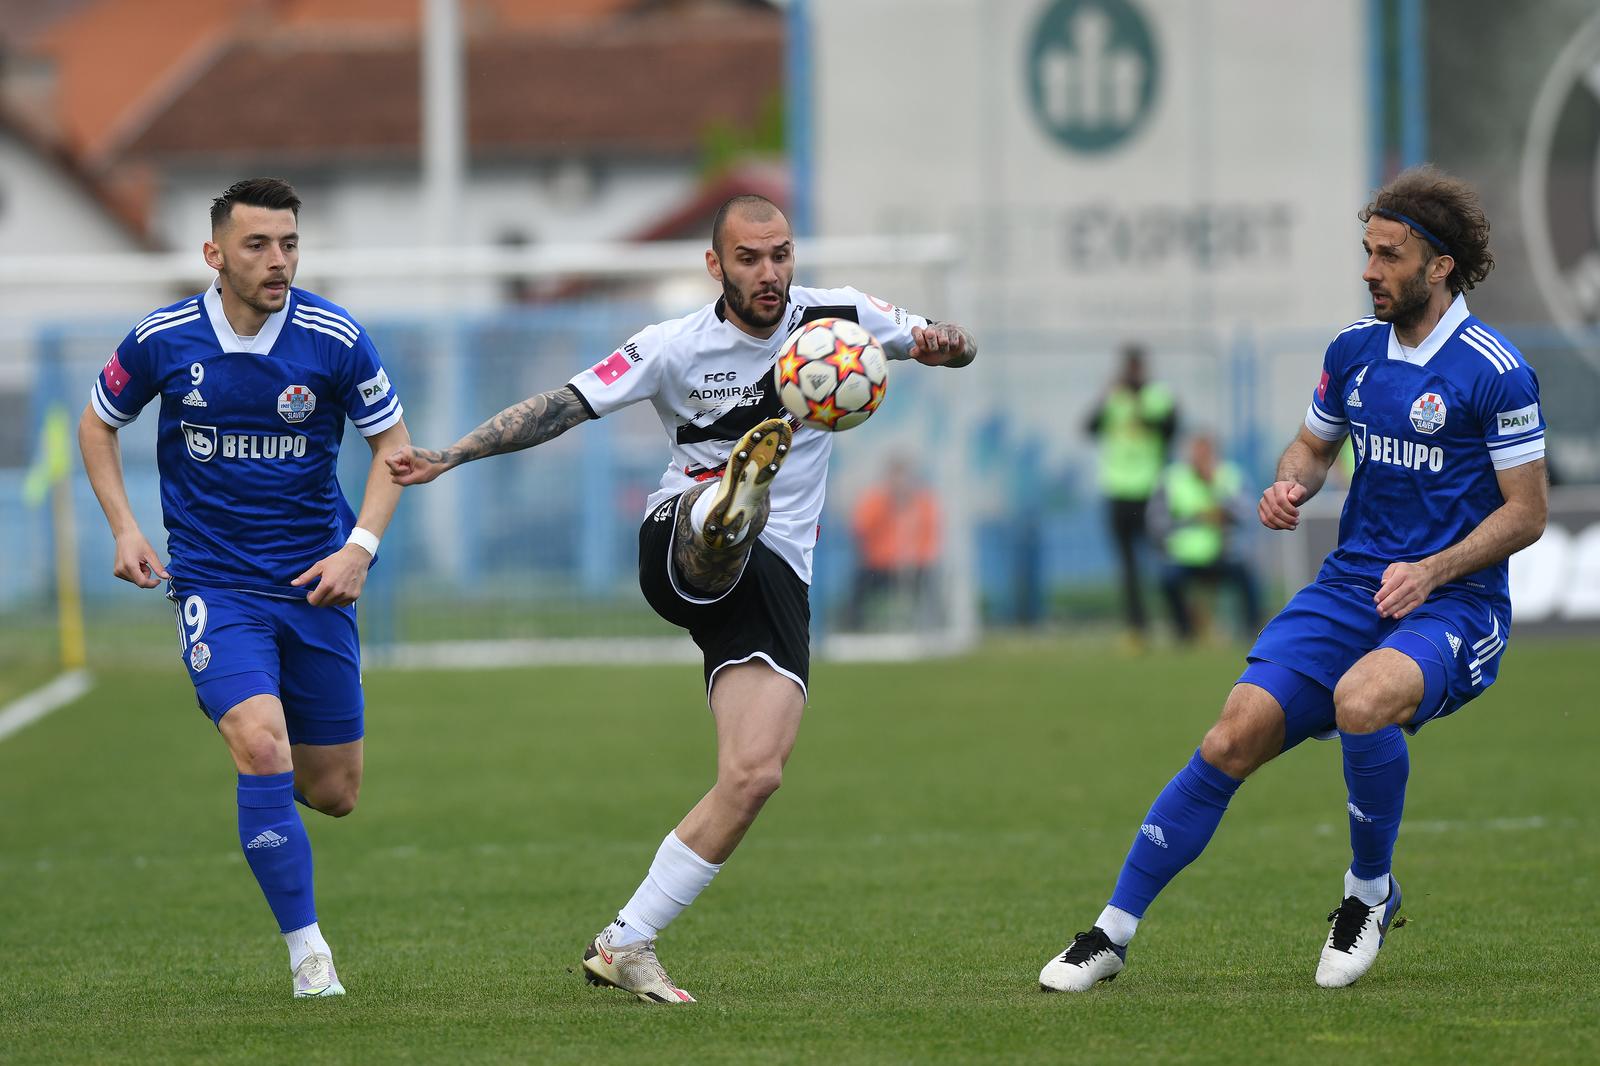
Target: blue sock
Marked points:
1174	833
1376	766
276	847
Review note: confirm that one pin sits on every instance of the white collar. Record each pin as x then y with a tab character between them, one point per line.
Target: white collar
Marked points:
1442	332
230	341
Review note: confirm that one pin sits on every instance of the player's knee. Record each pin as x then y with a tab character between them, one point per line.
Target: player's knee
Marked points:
1231	751
263	752
1361	707
754	783
336	800
339	804
1243	740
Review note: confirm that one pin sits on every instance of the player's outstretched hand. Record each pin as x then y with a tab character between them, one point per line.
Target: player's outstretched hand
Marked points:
340	577
1280	505
411	465
1405	586
137	561
938	344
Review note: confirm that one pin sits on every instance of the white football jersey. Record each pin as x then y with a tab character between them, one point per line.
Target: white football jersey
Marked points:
710	382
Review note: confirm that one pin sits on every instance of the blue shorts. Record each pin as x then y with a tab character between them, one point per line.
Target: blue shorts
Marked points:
1456	639
241	644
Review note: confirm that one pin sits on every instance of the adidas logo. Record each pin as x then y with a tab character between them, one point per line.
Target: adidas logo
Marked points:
1355	812
268	839
1455	643
1354	399
1154	834
194	399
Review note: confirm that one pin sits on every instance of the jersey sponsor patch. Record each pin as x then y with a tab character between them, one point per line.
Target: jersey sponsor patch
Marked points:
1522	419
115	377
612	367
1428	413
296	403
374	388
1322	387
200	440
1396	451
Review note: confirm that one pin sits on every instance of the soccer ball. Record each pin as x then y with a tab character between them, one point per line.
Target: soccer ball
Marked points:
831	374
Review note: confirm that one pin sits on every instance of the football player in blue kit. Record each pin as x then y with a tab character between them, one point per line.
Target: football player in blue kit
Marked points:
255	380
1409	616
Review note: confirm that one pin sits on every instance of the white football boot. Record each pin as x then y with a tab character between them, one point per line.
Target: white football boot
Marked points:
630	967
1357	934
745	481
1088	960
315	977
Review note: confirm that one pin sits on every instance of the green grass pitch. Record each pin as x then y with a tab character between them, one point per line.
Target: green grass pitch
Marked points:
943	828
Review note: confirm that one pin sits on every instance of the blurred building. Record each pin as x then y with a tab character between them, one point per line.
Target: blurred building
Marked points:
585	119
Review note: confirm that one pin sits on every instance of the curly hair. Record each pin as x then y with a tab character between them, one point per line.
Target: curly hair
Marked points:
1446	214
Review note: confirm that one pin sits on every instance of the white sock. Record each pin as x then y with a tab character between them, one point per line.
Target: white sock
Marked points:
303	942
1119	925
701	508
676	877
1371	892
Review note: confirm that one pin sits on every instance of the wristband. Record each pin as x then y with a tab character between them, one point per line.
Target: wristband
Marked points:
364	538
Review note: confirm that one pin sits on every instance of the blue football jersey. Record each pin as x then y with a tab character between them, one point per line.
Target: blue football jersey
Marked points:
1430	427
249	432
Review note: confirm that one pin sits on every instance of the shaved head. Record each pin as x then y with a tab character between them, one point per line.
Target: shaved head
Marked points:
750	206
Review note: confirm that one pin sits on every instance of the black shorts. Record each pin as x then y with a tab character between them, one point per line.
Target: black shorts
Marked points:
766	614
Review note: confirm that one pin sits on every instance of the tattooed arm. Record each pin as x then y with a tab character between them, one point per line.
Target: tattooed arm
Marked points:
533	421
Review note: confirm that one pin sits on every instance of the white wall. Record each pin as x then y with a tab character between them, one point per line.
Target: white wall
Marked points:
380	207
1230	207
1234	198
43	211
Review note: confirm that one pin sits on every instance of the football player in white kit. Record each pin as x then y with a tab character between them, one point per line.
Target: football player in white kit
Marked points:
725	546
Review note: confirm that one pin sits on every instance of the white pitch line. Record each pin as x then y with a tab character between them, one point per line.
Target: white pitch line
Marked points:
25	710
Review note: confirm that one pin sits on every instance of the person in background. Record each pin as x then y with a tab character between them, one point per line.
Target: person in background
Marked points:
1134	424
1197	512
896	526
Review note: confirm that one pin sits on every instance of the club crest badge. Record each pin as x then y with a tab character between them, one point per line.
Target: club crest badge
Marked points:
296	403
1428	412
199	656
200	440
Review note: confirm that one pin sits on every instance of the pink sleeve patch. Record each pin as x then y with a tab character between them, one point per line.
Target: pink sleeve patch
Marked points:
612	367
1322	386
116	378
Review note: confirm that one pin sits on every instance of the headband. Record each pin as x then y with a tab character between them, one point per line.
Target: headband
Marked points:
1421	230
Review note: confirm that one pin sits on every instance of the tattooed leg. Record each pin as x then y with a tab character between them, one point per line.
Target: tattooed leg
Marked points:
707	570
714	540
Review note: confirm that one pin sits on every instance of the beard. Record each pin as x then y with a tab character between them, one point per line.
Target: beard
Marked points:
257	300
1407	306
749	312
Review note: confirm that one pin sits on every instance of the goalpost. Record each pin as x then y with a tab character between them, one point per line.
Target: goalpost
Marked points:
532	559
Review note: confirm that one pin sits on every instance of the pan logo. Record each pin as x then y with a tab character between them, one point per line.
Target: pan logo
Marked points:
1092	73
1561	188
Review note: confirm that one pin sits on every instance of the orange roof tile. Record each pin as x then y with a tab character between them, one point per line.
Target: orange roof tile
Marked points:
650	86
113	55
120	63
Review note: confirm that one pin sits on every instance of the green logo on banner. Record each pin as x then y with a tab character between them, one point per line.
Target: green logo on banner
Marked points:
1092	73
